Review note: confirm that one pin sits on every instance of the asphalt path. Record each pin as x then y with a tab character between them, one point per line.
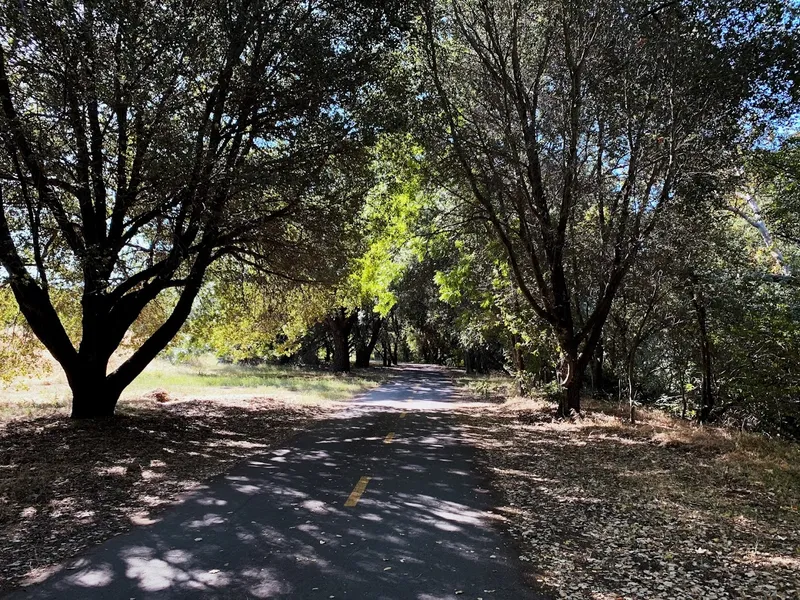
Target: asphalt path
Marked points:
381	503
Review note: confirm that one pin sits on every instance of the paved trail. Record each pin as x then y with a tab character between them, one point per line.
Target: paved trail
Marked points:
382	503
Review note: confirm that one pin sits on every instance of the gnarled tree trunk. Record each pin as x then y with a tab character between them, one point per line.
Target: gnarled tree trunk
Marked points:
92	395
569	403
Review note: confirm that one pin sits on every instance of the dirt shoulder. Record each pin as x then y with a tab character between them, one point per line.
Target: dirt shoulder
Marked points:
67	485
605	510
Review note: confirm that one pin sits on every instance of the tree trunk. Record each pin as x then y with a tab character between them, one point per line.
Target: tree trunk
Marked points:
364	352
706	389
387	361
706	363
516	354
341	353
340	325
570	402
308	355
394	345
93	400
468	366
597	368
757	221
518	361
363	355
683	401
93	395
631	399
95	392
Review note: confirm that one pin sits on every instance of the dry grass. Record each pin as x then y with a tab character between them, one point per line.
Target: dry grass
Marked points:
661	509
761	461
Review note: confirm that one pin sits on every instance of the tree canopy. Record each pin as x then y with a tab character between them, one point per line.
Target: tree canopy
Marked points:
144	141
591	196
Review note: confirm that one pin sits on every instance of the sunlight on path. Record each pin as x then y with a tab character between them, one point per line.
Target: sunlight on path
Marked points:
377	503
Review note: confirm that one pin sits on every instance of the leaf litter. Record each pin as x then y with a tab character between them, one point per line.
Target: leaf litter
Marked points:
68	485
604	510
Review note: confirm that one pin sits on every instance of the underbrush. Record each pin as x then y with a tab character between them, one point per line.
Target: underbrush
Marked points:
765	460
484	388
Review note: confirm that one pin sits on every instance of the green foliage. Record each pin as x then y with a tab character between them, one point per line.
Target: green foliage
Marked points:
777	175
21	354
242	315
391	221
246	313
653	339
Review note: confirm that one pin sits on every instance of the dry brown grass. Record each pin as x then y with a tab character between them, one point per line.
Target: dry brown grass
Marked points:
760	455
603	508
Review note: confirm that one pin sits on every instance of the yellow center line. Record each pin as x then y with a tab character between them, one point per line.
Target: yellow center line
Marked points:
403	414
355	495
388	439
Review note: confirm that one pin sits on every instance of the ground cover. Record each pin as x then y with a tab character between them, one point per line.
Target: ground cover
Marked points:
200	378
662	509
66	485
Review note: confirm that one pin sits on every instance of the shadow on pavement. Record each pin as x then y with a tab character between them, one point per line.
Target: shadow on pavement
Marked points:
277	527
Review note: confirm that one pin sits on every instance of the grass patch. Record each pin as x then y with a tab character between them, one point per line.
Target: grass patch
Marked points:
207	377
495	387
201	378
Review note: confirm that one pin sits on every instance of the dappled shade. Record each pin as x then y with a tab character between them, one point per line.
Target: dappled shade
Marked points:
66	485
276	526
604	510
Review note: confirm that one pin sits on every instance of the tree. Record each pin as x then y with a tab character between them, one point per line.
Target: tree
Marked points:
247	312
368	331
573	126
243	314
389	243
340	323
700	326
144	141
777	175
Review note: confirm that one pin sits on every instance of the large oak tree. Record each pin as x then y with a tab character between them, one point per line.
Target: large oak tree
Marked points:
571	126
143	140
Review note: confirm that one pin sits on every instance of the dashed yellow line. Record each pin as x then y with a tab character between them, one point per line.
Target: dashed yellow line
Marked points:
389	437
355	495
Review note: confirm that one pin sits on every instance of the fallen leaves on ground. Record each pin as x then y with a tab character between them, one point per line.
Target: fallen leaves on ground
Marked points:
605	510
66	485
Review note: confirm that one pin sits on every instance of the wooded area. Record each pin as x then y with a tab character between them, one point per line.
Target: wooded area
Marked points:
595	197
344	296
